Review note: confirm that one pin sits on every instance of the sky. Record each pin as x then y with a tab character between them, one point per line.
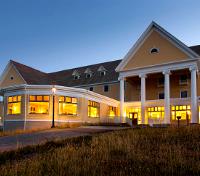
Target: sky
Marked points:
52	35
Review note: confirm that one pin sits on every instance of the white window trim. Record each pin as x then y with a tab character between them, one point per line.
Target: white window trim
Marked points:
154	48
182	90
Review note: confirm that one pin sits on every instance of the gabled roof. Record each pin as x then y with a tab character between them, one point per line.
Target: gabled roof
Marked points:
65	77
170	37
31	75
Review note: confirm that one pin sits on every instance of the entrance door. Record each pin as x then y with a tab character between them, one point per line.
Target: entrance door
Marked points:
134	117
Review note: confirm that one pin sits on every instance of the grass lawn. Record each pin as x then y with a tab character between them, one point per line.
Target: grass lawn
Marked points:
148	151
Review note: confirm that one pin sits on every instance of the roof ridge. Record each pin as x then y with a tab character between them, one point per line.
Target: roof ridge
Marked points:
84	66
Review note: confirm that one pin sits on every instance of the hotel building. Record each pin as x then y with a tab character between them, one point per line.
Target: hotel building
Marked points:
156	82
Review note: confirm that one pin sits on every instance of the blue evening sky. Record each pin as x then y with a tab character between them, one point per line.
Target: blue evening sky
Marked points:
53	35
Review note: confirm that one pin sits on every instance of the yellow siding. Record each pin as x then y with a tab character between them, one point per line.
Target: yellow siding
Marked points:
17	79
112	93
167	53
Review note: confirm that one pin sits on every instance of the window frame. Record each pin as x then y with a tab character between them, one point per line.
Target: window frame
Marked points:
112	109
155	52
96	105
92	88
69	103
181	82
181	91
17	101
107	89
39	101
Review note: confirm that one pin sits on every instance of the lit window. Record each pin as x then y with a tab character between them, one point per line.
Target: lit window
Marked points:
183	79
67	105
106	88
93	109
161	95
154	50
156	112
181	111
112	111
38	104
14	105
184	94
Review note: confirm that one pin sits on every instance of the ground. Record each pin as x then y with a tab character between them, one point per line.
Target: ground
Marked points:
141	151
13	142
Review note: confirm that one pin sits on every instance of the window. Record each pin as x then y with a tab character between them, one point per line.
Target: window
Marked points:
161	95
184	94
183	79
88	75
67	105
91	89
112	111
76	77
14	105
161	81
154	50
93	109
106	88
38	104
156	112
182	111
102	73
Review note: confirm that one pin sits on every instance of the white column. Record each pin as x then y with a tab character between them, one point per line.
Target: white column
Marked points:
143	97
167	97
194	107
123	118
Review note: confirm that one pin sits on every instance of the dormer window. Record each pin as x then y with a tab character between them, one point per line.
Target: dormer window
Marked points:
76	77
88	73
102	70
76	74
102	73
154	50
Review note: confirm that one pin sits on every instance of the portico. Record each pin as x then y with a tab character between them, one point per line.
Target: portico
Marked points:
159	52
168	101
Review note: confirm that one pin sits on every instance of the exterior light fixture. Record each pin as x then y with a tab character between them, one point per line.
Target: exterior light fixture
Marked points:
53	90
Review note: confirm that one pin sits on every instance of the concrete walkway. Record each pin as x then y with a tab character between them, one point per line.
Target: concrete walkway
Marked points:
8	143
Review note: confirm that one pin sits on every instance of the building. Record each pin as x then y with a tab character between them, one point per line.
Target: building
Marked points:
155	83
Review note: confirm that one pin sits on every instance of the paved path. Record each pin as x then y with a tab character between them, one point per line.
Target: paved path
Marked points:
8	143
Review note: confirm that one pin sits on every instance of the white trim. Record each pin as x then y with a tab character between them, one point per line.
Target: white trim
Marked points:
159	68
182	90
154	26
61	90
19	73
